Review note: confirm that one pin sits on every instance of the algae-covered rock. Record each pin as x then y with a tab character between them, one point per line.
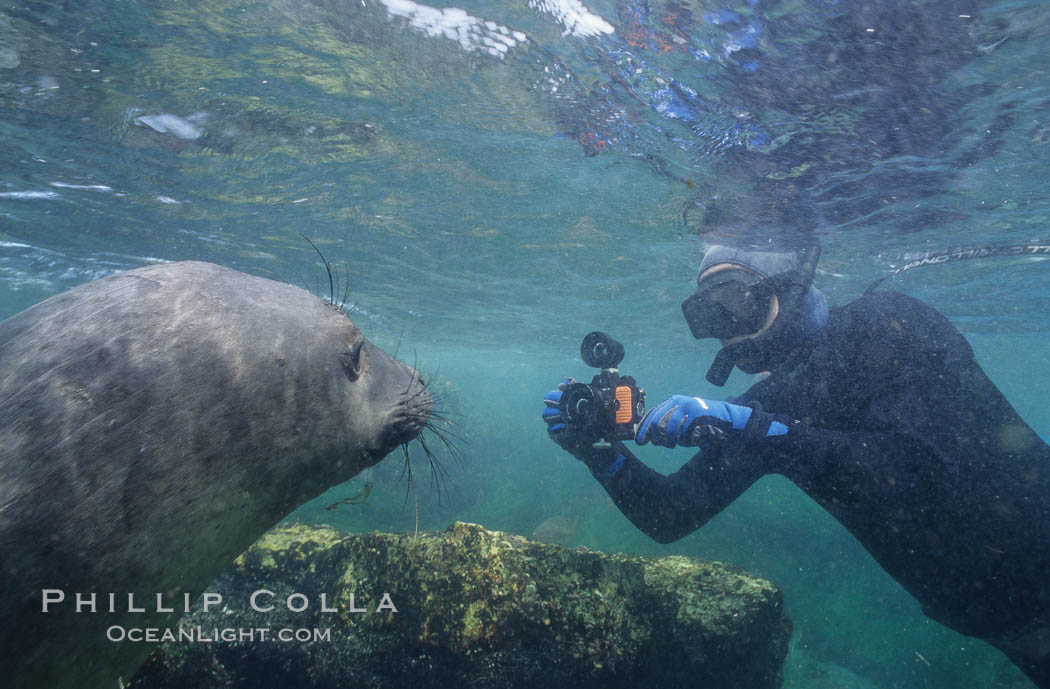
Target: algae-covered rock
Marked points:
472	607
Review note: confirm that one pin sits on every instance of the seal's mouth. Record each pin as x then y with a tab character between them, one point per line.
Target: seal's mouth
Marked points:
416	422
410	417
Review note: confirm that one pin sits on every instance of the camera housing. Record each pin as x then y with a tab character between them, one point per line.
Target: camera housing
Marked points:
611	406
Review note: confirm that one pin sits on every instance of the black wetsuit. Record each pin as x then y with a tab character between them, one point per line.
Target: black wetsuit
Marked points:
898	433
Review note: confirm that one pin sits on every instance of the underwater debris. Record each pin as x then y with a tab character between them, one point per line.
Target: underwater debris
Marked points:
482	609
357	498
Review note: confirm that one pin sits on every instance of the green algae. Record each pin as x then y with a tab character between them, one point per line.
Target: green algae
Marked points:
486	608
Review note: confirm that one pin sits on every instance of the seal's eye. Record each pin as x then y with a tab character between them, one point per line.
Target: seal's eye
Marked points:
354	359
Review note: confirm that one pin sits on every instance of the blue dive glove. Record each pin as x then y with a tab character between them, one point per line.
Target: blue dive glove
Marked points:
687	421
551	411
576	441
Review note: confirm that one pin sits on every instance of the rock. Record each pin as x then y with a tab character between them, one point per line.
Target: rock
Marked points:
558	529
476	608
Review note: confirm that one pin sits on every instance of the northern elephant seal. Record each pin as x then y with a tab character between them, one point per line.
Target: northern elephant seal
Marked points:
152	425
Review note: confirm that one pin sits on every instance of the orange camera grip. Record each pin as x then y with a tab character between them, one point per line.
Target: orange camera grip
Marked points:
625	412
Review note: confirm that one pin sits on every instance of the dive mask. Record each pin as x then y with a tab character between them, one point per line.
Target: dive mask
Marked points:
727	304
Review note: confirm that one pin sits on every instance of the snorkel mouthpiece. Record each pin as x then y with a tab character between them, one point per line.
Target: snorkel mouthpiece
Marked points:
721	367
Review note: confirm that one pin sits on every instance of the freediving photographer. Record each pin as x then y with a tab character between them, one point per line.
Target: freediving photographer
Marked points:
879	411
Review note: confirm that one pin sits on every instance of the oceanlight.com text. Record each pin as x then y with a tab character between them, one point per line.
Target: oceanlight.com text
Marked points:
198	634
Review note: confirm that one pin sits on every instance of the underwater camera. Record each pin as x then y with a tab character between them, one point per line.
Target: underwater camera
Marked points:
611	405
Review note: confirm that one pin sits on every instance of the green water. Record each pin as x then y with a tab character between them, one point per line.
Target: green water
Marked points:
456	188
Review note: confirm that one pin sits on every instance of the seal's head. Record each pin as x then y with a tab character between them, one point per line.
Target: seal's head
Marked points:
178	411
406	405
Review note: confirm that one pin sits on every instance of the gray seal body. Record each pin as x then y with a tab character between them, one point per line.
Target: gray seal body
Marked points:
153	424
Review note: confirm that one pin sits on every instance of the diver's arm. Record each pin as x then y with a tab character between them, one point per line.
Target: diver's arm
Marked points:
664	507
667	508
857	472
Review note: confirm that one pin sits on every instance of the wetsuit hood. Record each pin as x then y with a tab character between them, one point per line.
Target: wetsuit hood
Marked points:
803	309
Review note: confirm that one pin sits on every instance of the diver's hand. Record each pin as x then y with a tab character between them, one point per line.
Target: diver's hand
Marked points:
575	441
688	421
